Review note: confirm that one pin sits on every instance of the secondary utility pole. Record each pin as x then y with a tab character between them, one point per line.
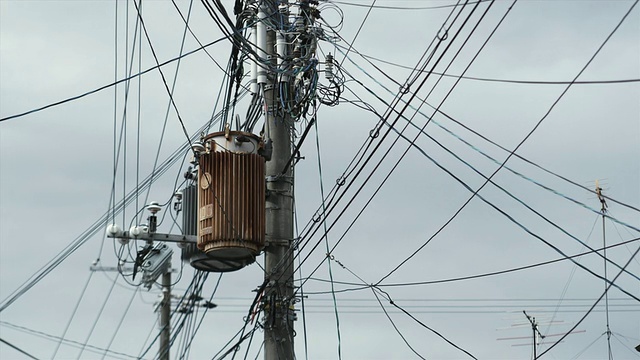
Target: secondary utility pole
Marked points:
165	316
278	296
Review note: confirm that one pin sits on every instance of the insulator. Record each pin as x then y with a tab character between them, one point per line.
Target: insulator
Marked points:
281	49
299	24
261	42
254	62
328	67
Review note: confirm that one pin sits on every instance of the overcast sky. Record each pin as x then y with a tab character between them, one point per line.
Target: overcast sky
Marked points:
56	175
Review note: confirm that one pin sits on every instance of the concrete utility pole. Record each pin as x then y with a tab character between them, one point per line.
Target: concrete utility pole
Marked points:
278	296
165	316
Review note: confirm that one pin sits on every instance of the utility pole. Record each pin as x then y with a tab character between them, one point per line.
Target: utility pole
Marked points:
165	316
278	296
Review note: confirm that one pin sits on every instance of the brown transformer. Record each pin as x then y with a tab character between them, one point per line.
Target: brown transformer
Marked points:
231	197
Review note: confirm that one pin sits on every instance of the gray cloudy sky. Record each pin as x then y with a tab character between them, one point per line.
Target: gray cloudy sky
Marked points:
56	173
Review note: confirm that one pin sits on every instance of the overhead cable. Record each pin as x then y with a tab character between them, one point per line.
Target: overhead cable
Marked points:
597	301
553	105
103	87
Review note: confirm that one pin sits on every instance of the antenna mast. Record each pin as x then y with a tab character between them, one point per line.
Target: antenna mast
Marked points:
603	210
536	333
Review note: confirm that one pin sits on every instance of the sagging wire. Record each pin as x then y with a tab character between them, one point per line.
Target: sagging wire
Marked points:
387	114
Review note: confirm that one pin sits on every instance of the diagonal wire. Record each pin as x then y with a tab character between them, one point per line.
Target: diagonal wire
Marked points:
124	315
593	306
326	239
387	114
77	344
553	105
18	349
95	322
73	314
359	29
171	91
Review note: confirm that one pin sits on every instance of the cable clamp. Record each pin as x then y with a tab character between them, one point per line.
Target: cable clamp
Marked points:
277	241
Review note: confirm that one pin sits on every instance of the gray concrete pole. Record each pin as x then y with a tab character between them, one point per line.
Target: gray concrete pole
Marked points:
165	316
278	297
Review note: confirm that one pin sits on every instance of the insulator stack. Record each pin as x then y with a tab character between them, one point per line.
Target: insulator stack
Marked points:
231	197
328	67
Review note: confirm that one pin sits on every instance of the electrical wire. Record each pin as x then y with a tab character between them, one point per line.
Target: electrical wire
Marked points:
18	349
326	238
475	170
391	110
611	283
95	322
89	348
412	8
375	135
466	127
186	23
368	58
103	87
73	314
170	91
489	274
553	105
366	16
124	315
374	288
395	327
195	331
98	225
429	328
566	285
164	80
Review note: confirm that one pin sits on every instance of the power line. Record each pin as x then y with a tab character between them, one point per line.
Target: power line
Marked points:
18	349
489	274
164	80
553	105
77	344
92	229
497	80
466	127
388	298
122	318
326	238
400	115
395	327
103	87
388	113
95	322
468	188
601	296
386	7
73	314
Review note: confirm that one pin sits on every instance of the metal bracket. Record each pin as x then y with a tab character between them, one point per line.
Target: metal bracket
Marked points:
281	242
188	239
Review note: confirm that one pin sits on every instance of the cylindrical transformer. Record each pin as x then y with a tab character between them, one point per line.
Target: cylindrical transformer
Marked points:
231	197
190	253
